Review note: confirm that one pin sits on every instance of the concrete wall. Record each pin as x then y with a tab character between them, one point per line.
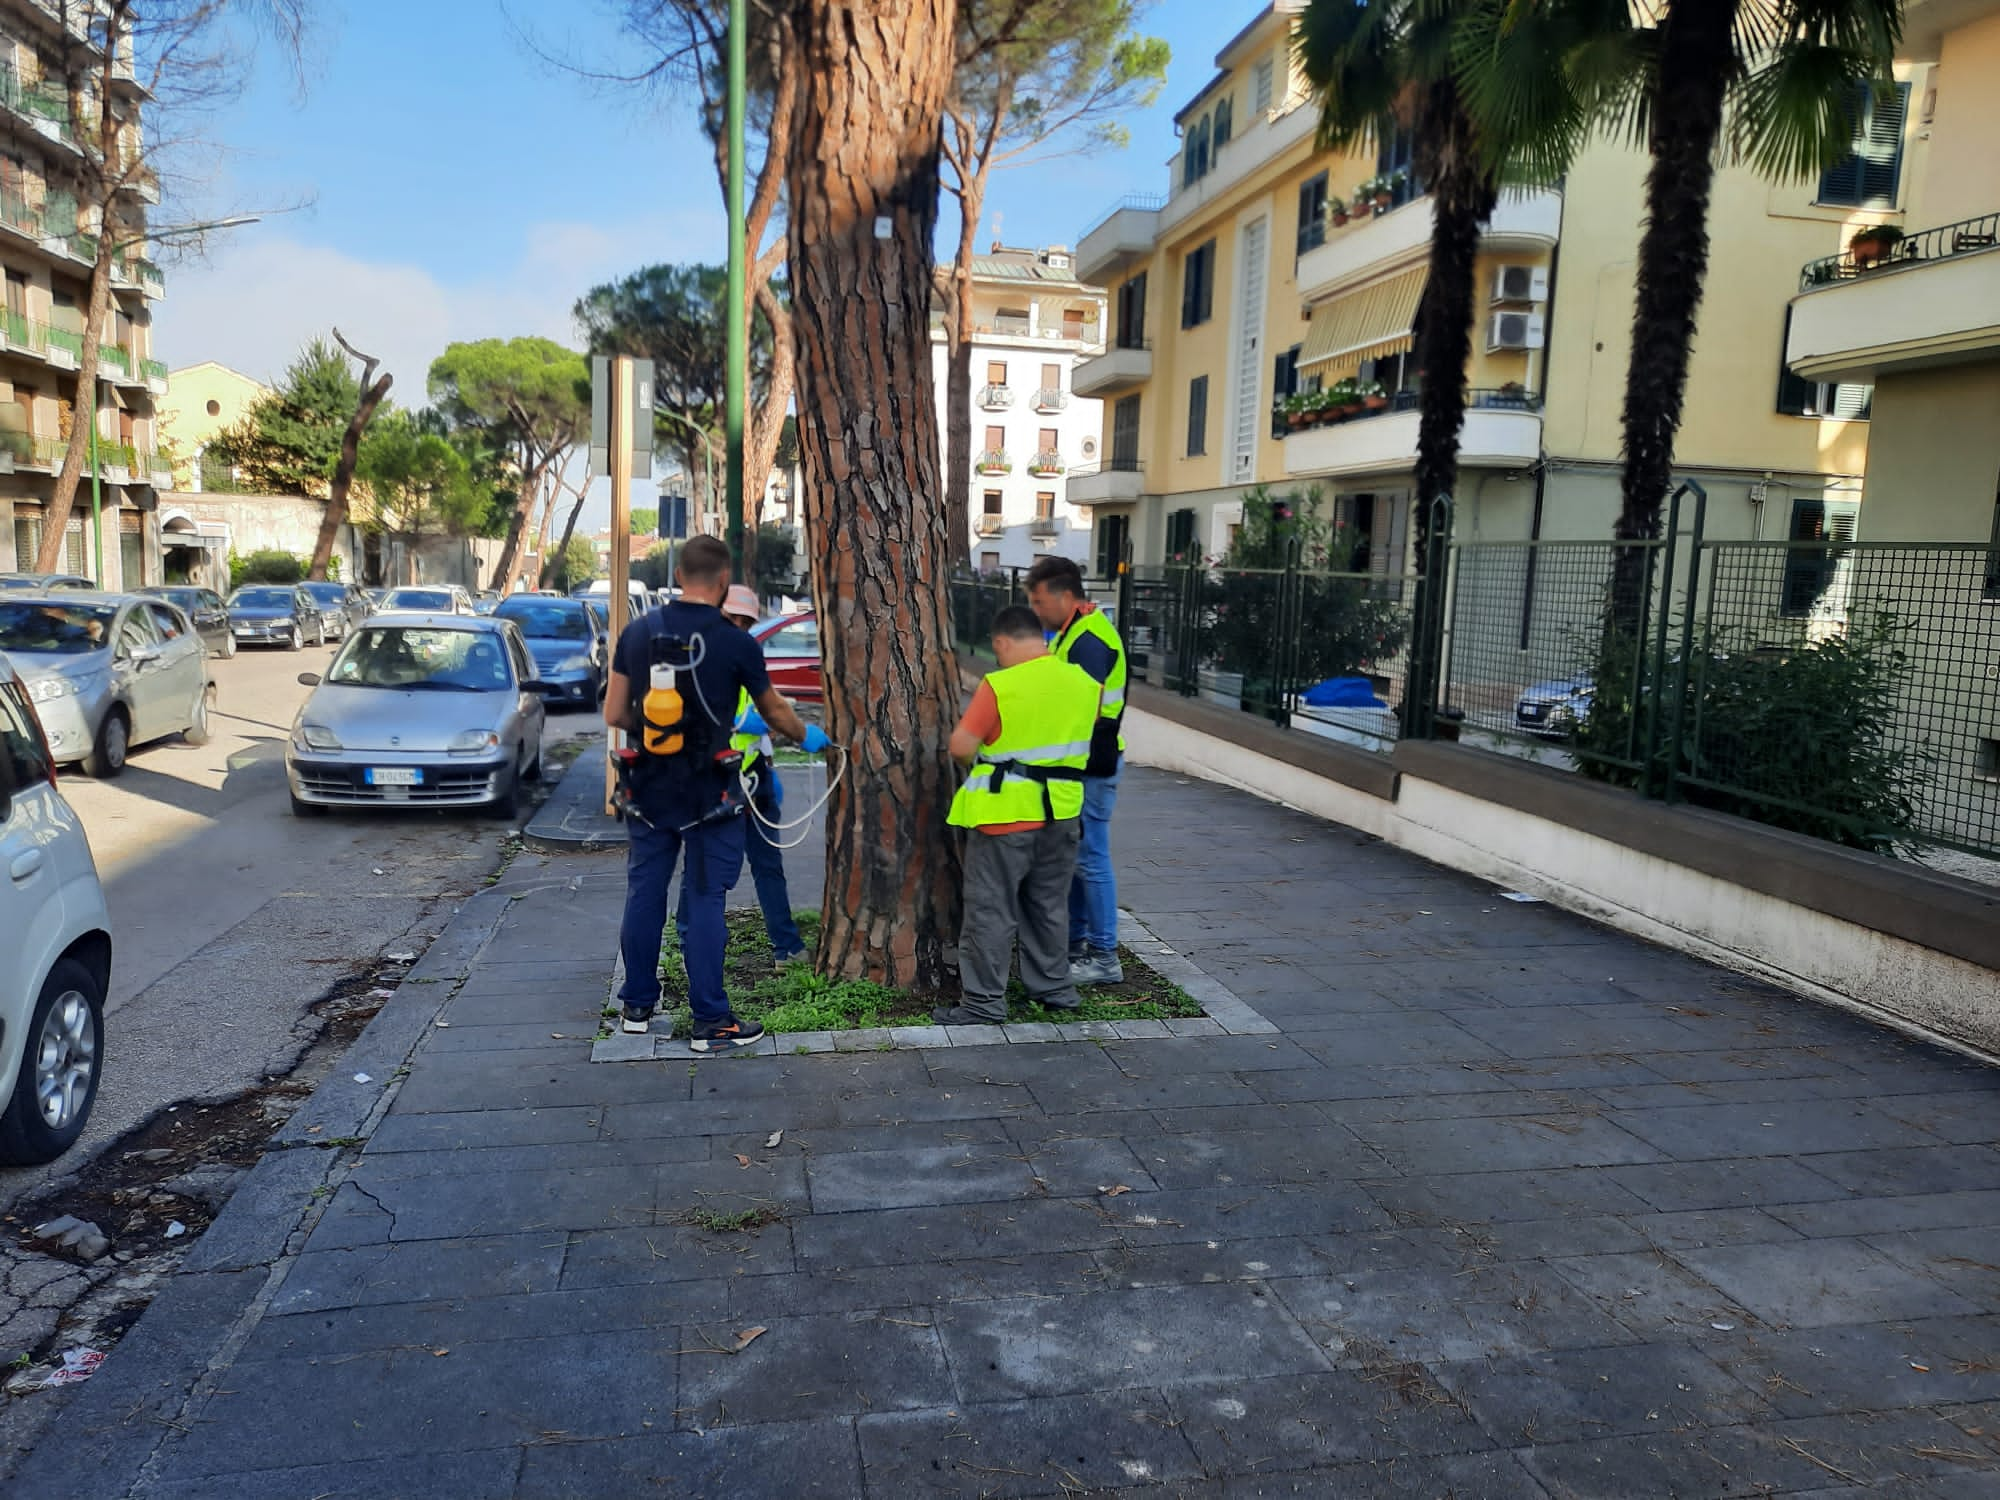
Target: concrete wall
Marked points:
1959	178
1935	467
1826	924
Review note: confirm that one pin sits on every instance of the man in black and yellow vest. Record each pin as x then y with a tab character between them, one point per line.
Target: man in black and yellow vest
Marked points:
1080	635
1026	739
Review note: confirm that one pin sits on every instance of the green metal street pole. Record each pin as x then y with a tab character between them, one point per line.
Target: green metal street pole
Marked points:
738	380
96	492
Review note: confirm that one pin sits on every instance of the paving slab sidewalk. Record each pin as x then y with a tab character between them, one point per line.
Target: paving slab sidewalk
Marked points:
1509	1206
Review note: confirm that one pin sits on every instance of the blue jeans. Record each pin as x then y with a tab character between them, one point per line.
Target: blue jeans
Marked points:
1093	893
767	869
714	861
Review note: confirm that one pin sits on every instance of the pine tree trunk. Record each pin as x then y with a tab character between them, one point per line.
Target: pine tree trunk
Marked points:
343	476
62	499
870	100
959	327
1696	47
510	550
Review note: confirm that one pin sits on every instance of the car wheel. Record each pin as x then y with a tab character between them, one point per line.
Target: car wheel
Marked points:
229	645
57	1083
108	750
199	730
509	801
319	634
297	641
306	809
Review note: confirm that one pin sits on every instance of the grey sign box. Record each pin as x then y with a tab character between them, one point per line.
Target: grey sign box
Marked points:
600	416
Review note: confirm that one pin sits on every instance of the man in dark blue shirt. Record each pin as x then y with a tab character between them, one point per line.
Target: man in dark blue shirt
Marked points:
680	798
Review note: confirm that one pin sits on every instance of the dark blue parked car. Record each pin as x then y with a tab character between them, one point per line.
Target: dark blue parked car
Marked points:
567	643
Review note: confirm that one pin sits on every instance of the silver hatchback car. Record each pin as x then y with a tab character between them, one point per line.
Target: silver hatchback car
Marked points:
107	672
420	710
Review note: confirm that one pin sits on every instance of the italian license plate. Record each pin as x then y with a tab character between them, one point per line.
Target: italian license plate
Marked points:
394	776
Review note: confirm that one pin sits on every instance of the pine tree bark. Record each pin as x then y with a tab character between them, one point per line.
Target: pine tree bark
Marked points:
1696	53
373	392
524	508
870	96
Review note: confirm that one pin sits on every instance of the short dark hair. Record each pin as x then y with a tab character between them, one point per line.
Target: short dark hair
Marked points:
1017	622
703	559
1058	573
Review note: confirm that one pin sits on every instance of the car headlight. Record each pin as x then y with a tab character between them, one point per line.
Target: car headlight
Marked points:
48	689
573	664
472	741
316	737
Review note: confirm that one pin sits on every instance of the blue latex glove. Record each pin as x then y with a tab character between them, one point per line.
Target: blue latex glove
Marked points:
815	741
751	722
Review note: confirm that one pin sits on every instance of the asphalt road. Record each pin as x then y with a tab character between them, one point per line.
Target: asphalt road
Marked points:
230	917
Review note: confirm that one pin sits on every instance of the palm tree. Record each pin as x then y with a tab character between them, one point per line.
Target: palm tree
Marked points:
1481	86
1765	82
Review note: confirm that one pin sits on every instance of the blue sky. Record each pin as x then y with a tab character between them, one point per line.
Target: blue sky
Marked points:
461	186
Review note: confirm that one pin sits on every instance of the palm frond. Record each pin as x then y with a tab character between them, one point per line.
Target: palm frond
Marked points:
1791	117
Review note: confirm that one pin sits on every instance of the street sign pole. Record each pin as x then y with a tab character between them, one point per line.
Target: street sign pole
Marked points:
737	376
620	459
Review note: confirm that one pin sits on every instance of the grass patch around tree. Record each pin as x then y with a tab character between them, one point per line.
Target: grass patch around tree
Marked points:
791	998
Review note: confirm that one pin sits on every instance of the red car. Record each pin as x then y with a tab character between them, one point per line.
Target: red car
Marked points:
791	652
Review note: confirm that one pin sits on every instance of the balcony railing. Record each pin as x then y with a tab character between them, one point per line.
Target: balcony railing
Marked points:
1012	325
1051	398
1339	215
1117	463
62	342
1043	527
16	215
996	397
1495	398
150	280
1144	202
112	357
994	461
155	371
990	524
1941	243
1045	462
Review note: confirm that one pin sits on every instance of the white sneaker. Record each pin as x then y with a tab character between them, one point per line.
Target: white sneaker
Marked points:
1097	967
636	1022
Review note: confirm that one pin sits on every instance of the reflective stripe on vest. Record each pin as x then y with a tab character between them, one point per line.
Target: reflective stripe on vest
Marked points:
1111	701
1046	709
752	745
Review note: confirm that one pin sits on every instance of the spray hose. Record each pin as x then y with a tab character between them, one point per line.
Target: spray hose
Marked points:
750	781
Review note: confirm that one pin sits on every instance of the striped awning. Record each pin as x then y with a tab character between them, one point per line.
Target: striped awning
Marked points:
1369	323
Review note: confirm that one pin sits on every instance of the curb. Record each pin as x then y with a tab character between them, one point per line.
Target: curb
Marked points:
573	820
100	1443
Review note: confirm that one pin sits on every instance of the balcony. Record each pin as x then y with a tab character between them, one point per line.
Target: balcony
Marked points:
1374	243
1051	398
1119	238
993	461
1046	463
155	371
1121	481
157	471
1115	371
1044	529
149	278
1931	298
1503	429
990	524
16	216
64	349
996	397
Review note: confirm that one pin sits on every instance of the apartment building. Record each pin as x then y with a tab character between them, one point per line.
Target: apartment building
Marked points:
48	244
1917	314
1271	268
1033	319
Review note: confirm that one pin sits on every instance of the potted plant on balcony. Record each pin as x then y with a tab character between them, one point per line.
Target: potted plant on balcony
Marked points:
1318	406
1294	409
1346	398
995	461
1874	245
1374	395
1385	192
1336	210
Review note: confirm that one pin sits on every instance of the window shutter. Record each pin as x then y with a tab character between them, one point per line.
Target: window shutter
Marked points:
1795	392
1852	402
1871	172
1197	438
1190	270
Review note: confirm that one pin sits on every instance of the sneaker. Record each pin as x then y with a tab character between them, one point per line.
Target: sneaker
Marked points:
637	1021
1098	966
1078	952
795	956
958	1015
723	1035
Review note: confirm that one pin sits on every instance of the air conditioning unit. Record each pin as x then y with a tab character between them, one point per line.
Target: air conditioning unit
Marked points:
1513	330
1520	284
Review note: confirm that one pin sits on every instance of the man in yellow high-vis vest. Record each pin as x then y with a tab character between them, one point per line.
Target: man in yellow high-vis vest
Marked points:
1026	739
1081	636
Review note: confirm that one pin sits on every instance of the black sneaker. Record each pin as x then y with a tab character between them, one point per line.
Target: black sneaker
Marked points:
723	1035
958	1015
637	1020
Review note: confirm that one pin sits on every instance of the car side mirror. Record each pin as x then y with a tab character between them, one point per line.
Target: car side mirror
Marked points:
308	679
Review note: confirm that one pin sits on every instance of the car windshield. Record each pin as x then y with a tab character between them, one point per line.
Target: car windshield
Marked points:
413	657
261	599
545	619
326	593
58	629
419	599
185	598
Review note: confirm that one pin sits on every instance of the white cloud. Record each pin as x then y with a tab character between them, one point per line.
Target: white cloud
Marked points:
262	296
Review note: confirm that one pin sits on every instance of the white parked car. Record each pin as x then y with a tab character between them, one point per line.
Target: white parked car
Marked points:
56	963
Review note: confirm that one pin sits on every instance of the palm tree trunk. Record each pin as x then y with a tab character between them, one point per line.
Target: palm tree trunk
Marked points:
1695	67
865	144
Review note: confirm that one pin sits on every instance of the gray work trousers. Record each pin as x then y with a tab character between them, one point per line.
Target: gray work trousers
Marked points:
1017	884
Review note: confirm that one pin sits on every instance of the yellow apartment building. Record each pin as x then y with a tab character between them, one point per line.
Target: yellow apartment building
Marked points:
1271	267
1920	319
47	247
